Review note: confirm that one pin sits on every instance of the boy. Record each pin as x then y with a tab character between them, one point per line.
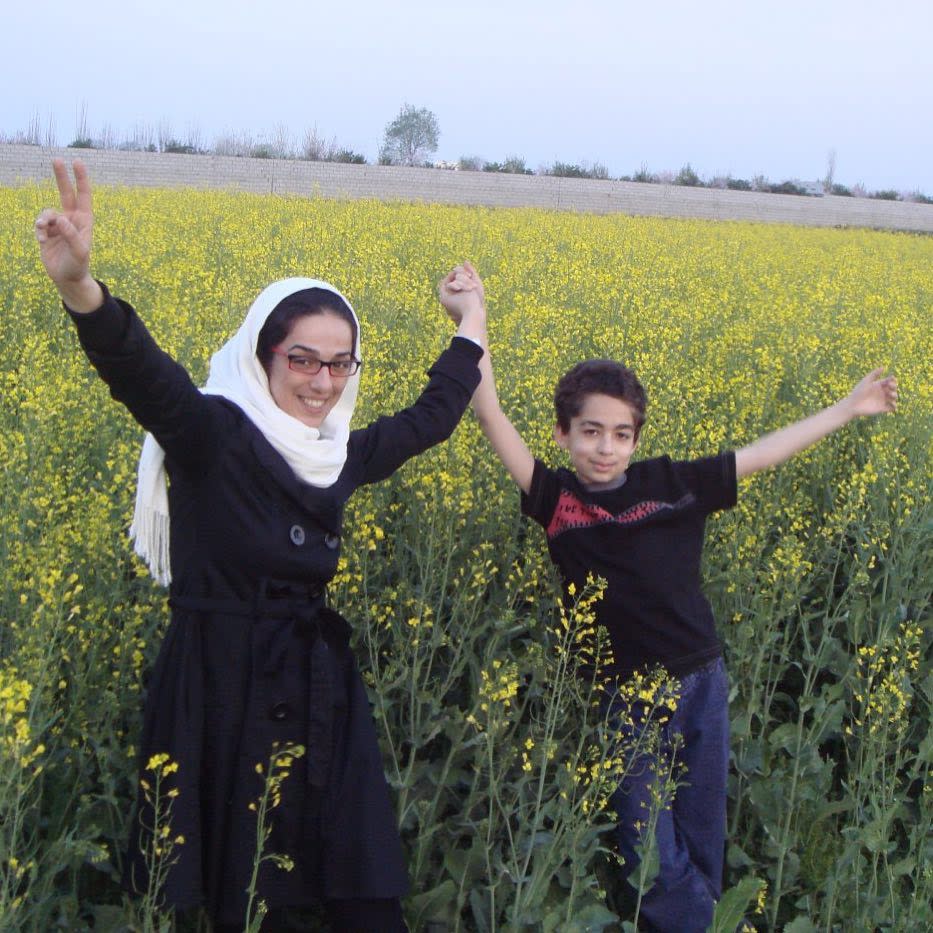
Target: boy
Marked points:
640	527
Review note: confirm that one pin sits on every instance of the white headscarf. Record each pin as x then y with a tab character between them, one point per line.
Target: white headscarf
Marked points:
317	455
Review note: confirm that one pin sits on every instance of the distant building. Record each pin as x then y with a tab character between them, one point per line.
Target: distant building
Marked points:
813	188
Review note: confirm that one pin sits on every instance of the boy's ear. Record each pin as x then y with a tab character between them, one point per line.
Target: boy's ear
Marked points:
560	436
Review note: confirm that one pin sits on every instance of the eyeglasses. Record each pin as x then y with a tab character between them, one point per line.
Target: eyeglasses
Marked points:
311	365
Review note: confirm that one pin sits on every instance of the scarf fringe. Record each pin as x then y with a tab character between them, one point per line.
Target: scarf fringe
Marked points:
150	535
150	529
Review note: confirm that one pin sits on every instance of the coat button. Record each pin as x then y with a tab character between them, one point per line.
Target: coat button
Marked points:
297	534
279	712
332	541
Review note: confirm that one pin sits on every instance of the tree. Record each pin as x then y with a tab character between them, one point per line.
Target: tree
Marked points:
830	172
411	136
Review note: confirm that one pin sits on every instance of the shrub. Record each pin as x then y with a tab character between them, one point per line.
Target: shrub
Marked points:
511	166
738	184
887	195
840	191
174	145
572	170
644	176
350	157
315	148
515	165
81	142
567	170
688	177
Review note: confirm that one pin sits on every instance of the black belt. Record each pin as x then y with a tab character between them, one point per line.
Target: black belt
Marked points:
318	628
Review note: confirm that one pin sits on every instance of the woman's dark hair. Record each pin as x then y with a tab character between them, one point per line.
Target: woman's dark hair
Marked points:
598	377
297	305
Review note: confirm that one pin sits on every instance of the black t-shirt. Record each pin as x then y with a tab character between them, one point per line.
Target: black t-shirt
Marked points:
645	538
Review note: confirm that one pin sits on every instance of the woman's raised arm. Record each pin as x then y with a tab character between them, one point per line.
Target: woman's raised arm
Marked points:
459	291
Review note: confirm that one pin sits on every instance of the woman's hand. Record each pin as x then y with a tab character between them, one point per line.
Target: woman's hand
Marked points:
461	292
65	239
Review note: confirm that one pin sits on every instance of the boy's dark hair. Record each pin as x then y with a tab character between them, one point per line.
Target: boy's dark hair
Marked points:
300	304
598	377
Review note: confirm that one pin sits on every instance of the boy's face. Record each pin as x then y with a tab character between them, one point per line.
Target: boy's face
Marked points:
601	439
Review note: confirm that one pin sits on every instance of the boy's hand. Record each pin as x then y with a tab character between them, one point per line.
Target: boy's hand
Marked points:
873	395
461	292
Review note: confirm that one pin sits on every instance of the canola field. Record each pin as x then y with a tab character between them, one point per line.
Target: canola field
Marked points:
820	579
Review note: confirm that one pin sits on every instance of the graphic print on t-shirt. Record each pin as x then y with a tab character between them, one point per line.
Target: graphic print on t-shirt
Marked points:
572	512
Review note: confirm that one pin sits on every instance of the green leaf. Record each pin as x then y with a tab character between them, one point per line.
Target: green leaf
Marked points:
800	925
875	837
903	867
642	878
439	903
734	904
832	808
737	857
594	918
785	737
749	759
465	865
109	918
479	906
925	752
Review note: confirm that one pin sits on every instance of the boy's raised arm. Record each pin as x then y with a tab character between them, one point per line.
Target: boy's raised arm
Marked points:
461	287
873	395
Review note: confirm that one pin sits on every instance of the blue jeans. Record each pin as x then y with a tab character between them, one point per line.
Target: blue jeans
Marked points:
690	834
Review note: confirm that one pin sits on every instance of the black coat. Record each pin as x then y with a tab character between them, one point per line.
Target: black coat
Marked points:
252	655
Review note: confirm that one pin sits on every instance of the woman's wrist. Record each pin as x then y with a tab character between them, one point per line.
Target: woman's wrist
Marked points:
82	296
473	325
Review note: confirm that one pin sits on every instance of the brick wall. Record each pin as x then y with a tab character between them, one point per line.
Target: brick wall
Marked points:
26	164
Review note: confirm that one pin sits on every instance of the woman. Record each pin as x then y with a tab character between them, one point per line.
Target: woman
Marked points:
259	466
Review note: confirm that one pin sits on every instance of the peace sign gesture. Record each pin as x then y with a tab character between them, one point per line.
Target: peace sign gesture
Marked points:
65	239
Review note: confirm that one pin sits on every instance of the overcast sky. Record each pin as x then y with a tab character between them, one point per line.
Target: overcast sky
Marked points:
740	88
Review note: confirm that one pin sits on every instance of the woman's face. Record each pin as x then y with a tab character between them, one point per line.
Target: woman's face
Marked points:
310	398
